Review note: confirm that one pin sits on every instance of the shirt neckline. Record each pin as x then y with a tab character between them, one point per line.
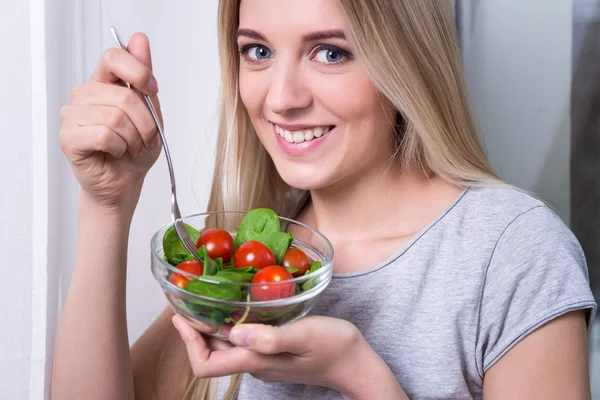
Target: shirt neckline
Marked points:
407	245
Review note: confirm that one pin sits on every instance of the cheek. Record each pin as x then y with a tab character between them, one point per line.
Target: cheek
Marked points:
355	101
253	91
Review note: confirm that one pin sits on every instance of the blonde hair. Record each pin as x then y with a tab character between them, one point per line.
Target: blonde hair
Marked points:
410	52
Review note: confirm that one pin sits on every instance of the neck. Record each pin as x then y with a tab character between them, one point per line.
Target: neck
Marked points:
381	204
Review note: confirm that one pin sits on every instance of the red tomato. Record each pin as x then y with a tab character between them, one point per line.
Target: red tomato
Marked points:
253	254
272	273
193	267
295	258
218	242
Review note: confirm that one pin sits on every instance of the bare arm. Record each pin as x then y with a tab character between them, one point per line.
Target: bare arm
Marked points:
110	140
550	363
92	351
159	361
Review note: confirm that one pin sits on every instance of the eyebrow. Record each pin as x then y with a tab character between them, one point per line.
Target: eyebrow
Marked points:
309	37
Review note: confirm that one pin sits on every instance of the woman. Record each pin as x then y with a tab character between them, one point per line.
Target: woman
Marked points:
351	116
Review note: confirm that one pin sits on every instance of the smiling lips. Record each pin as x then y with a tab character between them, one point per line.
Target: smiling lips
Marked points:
302	135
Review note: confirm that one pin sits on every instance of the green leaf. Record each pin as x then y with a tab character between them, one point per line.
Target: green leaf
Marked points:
309	284
315	266
291	270
208	314
278	243
256	223
173	249
211	267
221	291
234	276
271	315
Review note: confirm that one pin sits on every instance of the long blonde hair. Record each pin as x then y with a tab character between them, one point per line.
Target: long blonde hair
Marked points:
410	51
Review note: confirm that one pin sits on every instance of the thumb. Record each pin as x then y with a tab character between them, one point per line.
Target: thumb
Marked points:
267	339
139	47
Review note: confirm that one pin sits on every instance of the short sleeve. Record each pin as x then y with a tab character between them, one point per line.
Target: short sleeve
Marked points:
536	273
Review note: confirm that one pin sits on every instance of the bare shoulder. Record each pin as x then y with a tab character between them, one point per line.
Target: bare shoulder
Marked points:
549	363
159	361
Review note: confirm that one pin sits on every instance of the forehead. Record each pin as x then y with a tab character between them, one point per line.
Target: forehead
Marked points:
275	16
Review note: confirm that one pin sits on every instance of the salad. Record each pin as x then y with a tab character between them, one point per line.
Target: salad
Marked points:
260	253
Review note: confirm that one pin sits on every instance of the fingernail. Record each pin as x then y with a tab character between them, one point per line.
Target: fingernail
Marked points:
241	337
152	85
186	331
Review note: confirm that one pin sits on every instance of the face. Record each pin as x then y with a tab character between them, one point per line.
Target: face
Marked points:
311	103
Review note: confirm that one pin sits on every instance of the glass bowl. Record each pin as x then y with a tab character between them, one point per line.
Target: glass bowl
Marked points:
216	316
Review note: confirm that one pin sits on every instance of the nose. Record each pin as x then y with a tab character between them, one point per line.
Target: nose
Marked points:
288	90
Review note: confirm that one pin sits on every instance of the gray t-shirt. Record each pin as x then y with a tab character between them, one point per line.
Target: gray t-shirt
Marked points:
492	268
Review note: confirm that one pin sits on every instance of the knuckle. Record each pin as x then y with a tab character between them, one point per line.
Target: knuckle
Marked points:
109	55
64	141
129	98
270	342
115	118
76	93
103	138
65	113
149	129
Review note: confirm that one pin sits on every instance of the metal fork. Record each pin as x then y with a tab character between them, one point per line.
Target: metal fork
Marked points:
180	230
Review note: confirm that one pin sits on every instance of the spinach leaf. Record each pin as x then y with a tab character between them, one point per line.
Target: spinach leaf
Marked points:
208	314
291	270
315	266
278	243
214	290
234	276
211	267
277	314
174	251
309	284
255	224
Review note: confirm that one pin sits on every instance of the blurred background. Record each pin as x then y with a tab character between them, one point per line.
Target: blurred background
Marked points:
532	68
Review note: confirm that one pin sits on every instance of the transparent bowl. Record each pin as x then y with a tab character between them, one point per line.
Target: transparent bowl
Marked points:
215	316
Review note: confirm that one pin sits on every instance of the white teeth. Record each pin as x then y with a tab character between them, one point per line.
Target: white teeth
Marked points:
288	136
301	136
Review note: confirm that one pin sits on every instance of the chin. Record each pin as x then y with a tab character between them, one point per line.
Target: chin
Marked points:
306	177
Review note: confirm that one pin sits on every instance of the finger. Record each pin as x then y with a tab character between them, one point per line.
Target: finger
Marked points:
139	47
102	94
266	339
119	65
112	117
211	364
217	344
78	143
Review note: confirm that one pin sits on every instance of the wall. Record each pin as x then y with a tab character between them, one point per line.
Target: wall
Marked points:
518	63
16	164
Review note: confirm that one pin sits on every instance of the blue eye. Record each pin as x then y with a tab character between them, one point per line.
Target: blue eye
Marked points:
256	52
330	55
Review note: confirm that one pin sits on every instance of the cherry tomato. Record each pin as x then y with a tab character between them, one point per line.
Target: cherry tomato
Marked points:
193	267
272	273
295	258
253	254
218	242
